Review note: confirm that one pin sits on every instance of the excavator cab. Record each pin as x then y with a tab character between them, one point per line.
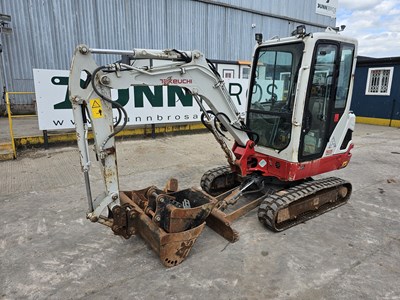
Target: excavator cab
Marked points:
299	104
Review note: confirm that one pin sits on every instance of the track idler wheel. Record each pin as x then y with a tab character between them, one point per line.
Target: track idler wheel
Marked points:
219	180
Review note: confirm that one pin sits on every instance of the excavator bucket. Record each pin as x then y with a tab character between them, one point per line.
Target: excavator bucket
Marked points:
169	220
172	248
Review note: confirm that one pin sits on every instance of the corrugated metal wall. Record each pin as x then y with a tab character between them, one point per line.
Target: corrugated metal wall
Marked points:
45	32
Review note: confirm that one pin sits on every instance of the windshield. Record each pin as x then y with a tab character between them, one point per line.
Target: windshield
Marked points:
272	93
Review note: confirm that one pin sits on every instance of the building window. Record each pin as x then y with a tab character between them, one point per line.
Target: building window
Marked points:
228	73
379	81
245	72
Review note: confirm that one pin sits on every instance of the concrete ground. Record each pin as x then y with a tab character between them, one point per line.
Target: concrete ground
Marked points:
49	250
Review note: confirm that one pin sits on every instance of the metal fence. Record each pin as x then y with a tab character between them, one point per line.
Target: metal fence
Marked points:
10	117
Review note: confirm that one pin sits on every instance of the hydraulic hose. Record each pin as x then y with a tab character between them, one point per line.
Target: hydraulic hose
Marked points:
118	106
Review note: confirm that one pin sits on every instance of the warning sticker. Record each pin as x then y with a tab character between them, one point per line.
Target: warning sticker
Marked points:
97	110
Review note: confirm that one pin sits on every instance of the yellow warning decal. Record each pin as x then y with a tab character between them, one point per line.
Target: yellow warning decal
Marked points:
97	109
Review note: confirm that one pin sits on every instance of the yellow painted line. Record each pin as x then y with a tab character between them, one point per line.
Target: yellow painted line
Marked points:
27	141
395	123
373	121
70	137
6	156
20	93
24	116
378	121
6	146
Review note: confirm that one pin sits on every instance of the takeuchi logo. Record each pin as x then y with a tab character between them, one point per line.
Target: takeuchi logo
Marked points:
169	80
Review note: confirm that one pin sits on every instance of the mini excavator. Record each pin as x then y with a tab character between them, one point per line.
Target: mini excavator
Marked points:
300	128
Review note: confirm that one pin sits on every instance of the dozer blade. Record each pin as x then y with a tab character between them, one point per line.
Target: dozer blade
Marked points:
287	208
221	221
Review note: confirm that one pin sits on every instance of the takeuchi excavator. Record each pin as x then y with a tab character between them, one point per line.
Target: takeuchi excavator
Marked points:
301	128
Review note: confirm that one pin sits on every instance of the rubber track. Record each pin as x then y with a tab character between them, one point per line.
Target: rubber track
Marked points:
208	178
269	208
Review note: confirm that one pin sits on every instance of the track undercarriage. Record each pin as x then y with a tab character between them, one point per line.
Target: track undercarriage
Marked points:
171	220
281	204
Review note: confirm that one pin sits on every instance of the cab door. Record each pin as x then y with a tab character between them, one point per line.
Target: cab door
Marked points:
319	101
